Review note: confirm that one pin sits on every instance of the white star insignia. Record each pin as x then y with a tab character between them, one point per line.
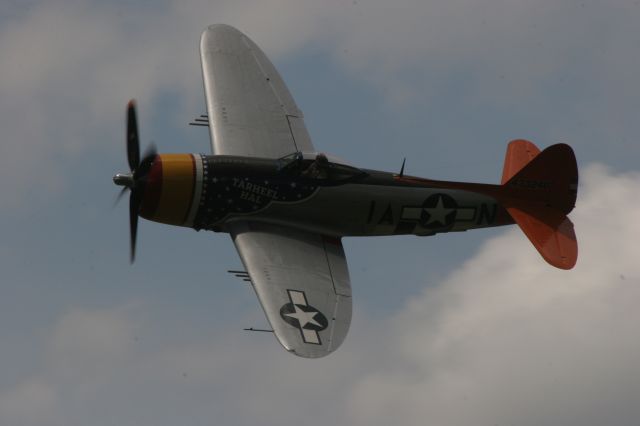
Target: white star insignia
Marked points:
438	213
303	317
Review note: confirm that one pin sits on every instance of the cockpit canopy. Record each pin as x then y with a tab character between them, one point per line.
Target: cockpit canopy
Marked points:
317	166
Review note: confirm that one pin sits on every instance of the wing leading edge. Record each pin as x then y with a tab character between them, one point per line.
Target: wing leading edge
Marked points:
302	282
251	112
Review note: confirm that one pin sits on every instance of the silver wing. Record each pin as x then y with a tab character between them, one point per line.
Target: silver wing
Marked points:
301	278
251	111
302	282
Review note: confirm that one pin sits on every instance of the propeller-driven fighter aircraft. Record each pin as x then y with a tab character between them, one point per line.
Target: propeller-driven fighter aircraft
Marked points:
287	207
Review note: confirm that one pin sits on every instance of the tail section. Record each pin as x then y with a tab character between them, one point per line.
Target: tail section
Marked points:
551	233
519	153
550	179
540	190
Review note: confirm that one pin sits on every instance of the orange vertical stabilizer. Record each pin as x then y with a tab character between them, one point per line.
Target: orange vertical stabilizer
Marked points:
542	190
519	153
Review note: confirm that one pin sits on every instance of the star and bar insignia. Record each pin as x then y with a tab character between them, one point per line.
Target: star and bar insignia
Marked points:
304	317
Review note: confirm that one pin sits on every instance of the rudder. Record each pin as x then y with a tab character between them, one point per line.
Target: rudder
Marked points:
542	191
549	179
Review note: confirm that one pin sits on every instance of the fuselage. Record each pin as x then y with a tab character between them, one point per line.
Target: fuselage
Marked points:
210	192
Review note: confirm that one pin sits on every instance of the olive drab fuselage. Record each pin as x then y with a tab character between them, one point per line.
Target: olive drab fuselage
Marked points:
209	192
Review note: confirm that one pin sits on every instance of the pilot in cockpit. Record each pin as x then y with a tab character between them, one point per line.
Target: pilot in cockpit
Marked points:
318	169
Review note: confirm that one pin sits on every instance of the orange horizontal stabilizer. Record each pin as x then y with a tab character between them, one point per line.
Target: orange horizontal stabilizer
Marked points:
551	232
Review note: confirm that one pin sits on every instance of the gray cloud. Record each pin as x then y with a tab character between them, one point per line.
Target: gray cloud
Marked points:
68	67
508	340
505	339
32	402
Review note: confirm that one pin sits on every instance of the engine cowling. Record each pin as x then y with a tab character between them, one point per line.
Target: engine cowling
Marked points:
171	187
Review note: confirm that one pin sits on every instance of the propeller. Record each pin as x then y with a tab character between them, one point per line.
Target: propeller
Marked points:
134	181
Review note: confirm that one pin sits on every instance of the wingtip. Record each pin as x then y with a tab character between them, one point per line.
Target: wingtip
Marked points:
215	29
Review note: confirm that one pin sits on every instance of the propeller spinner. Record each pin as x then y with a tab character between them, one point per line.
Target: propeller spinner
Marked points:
135	181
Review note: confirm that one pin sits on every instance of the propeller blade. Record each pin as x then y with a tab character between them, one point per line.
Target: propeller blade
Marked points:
134	205
136	180
133	142
119	197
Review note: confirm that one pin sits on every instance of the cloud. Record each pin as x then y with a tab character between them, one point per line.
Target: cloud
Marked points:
508	340
505	339
88	343
82	352
32	402
68	70
68	67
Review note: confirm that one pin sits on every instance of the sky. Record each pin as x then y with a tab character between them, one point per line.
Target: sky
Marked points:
470	328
